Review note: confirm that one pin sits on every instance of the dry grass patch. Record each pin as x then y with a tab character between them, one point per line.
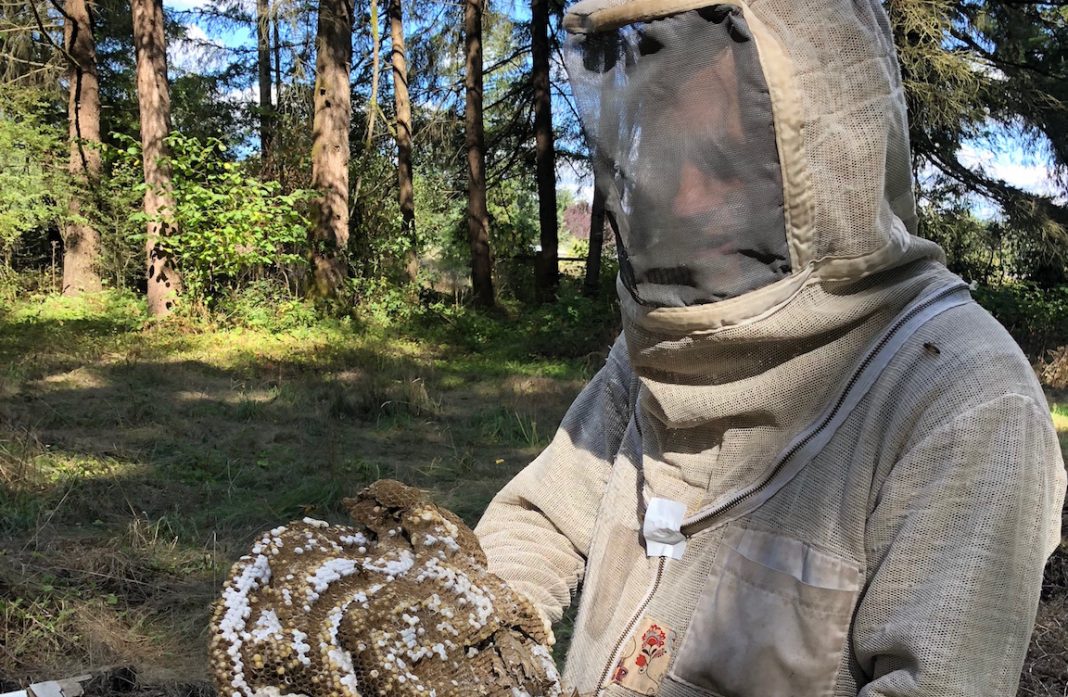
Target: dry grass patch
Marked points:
1045	672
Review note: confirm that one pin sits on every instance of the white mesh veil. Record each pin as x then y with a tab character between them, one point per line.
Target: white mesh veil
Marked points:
679	118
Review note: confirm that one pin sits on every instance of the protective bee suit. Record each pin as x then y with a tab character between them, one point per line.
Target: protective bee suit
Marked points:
811	465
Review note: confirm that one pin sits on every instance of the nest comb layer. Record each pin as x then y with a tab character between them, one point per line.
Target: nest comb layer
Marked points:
398	604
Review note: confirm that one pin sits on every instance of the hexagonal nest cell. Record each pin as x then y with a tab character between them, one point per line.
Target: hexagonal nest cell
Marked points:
399	603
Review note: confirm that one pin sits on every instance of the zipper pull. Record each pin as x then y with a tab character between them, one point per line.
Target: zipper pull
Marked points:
662	528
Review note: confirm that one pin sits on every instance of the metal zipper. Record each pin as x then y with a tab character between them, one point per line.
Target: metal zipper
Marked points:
688	528
614	657
691	526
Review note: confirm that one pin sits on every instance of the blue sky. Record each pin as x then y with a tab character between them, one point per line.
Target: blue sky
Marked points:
1014	162
191	57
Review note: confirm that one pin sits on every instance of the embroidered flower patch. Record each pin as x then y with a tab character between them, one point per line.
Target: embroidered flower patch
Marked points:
645	658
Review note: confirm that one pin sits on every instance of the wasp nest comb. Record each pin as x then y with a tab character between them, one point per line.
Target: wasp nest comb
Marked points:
399	604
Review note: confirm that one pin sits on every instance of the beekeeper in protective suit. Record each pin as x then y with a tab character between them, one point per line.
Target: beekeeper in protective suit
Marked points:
812	465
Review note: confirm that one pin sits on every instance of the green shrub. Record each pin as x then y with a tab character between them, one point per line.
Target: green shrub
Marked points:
33	169
120	204
572	327
118	310
1037	318
9	285
381	301
231	226
267	304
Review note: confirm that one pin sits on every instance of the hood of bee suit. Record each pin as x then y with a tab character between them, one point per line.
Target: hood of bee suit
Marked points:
755	161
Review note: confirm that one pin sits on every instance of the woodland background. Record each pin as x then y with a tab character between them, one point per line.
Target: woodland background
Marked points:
338	241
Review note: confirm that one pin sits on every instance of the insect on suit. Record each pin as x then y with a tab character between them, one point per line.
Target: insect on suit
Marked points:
811	464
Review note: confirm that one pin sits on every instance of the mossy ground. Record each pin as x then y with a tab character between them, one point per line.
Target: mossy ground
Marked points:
138	460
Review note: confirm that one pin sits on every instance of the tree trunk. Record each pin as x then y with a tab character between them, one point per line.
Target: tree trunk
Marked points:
592	284
330	146
277	58
475	138
406	189
601	180
81	241
263	62
548	266
277	144
372	101
154	101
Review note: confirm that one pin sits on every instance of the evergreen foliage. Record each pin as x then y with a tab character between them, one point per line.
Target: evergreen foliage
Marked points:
980	76
33	171
232	227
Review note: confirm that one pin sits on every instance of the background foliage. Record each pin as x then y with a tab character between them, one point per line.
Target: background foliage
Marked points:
232	228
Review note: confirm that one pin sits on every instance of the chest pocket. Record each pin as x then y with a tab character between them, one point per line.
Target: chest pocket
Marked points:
771	620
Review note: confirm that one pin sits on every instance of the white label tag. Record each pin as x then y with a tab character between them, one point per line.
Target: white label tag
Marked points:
663	521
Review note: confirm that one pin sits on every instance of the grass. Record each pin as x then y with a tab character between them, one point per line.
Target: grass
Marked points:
137	462
1060	422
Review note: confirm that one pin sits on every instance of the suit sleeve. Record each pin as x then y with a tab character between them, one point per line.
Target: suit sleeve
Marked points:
536	532
957	539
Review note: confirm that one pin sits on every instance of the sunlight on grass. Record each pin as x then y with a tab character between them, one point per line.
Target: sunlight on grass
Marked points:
1060	422
137	459
1060	417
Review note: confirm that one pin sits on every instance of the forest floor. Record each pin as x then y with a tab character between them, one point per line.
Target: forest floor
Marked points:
137	463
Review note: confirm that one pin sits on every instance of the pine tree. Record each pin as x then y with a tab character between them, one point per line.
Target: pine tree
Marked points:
154	101
475	140
330	148
81	240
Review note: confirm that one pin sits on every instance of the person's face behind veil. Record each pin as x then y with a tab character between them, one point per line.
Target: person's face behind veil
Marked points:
700	194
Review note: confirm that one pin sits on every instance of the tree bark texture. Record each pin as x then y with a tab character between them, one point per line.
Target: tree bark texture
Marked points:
548	265
475	140
376	53
154	100
405	185
276	143
592	283
263	63
81	241
277	59
330	145
372	101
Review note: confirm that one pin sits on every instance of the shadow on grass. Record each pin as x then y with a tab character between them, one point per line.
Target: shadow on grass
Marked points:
135	466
